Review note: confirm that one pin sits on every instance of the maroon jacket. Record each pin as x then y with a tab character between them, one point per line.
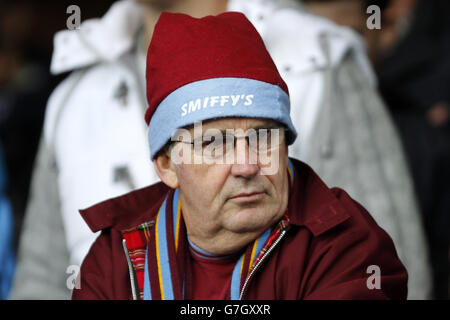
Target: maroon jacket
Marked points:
327	252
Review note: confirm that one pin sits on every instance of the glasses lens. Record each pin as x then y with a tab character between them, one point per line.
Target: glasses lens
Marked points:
259	141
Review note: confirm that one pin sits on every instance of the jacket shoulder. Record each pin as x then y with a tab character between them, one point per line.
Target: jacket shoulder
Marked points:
126	211
315	205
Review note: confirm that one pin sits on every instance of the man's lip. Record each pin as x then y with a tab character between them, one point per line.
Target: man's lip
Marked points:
247	195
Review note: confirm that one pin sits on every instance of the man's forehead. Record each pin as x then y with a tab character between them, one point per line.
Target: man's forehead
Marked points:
238	123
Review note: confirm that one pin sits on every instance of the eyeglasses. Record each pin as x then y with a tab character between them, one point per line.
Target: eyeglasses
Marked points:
215	144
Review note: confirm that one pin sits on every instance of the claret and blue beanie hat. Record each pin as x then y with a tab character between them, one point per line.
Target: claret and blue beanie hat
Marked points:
208	68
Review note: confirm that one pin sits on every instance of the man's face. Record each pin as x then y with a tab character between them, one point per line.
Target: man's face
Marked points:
234	197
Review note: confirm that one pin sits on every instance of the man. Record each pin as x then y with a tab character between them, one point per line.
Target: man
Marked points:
334	119
216	228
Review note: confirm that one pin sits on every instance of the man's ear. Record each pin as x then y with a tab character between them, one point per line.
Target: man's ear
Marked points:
166	170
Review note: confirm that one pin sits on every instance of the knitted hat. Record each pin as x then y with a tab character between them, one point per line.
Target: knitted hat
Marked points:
213	67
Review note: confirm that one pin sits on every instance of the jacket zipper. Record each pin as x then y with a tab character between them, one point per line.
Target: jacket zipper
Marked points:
136	295
273	245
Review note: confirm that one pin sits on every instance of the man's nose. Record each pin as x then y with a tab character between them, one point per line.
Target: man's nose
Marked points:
245	164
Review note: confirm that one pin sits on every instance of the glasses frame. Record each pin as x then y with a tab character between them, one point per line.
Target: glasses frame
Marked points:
247	137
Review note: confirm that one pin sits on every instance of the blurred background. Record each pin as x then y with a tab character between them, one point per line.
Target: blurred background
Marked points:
409	54
26	43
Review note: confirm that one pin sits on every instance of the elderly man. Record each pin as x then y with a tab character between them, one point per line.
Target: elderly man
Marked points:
234	217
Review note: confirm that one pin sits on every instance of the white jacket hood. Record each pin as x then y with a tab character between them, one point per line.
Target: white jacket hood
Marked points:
293	36
97	40
107	38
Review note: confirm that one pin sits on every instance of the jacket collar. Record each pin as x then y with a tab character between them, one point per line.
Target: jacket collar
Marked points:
126	211
312	204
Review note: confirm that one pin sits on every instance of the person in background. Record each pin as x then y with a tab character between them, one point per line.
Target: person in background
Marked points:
353	14
413	67
345	133
372	141
409	56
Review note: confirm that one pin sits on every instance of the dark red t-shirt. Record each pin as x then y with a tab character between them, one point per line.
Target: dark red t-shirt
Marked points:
211	274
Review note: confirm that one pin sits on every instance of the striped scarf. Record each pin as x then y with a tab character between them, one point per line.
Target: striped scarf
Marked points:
166	258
